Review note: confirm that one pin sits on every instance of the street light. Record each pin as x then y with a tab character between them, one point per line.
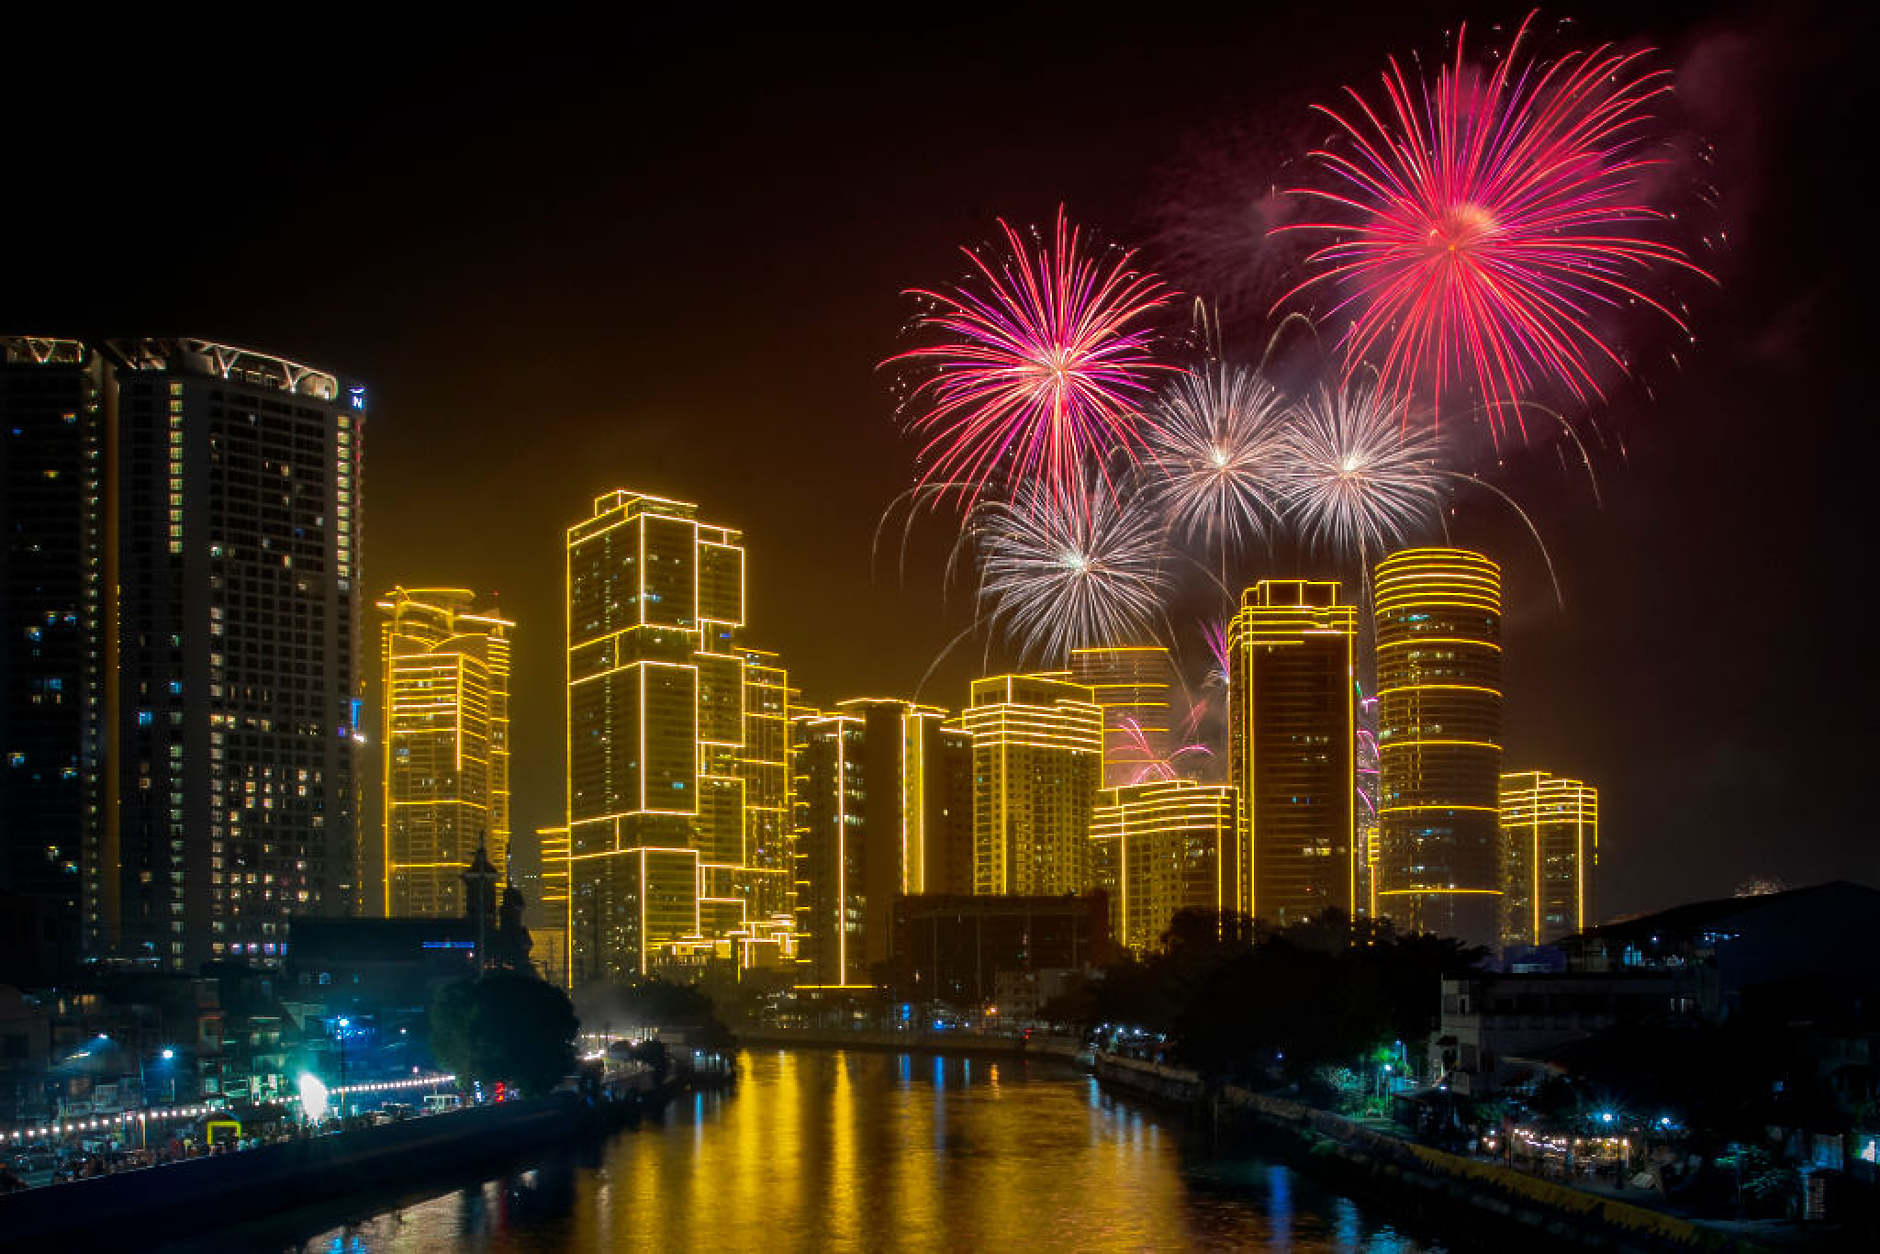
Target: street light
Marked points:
343	1024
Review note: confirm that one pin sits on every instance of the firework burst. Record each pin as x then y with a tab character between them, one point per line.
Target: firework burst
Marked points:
1357	477
1215	447
1151	766
1058	571
1492	222
1040	361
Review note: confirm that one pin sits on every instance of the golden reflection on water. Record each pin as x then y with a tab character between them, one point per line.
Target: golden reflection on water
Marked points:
836	1151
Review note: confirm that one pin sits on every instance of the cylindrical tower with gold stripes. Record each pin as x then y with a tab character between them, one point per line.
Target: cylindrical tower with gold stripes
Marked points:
1439	741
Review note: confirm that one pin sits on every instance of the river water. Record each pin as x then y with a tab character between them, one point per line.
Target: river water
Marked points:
834	1151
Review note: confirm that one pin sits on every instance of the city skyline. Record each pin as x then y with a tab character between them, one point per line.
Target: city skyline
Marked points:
1584	696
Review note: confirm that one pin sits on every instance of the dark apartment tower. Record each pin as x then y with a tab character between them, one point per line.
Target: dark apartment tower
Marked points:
52	622
236	723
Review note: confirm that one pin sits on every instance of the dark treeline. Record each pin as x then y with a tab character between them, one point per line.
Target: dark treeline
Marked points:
1246	1002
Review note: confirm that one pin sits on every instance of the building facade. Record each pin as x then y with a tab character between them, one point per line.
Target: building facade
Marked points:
1134	687
1549	851
675	749
216	758
52	618
548	934
445	737
885	811
237	543
1037	762
1439	742
961	951
1160	848
1292	748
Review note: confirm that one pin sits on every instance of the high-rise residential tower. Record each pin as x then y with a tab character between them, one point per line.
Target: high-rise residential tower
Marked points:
1549	851
1160	848
1292	743
548	936
210	497
237	537
886	811
445	734
676	787
1134	687
1439	742
53	676
1037	762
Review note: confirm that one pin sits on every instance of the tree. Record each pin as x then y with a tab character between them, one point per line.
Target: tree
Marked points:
505	1026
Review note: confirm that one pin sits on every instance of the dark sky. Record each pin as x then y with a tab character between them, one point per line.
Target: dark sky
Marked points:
667	254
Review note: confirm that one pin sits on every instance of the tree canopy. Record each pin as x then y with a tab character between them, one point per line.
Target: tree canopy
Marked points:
1240	999
505	1026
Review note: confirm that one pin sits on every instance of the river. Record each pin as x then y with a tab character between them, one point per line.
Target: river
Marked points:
825	1151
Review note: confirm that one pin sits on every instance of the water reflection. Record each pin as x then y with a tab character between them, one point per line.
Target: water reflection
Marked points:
823	1151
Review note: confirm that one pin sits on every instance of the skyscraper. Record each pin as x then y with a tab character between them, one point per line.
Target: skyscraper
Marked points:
675	748
1158	849
1549	851
53	678
832	902
1133	686
767	868
1037	762
886	812
236	709
446	746
1292	740
549	941
1439	741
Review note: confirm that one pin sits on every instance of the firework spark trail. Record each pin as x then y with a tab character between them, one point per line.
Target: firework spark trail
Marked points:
1156	768
1367	757
1494	218
1043	359
1357	477
1061	570
1215	447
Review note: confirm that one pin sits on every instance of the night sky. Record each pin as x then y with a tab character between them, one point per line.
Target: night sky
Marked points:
668	255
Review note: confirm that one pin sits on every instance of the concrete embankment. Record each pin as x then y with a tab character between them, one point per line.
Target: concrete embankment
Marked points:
178	1200
953	1042
1477	1205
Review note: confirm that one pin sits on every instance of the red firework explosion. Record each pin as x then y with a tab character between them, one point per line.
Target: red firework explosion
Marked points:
1042	361
1495	220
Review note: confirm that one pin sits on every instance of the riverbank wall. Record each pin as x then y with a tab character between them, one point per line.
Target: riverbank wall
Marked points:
1489	1207
182	1199
1063	1048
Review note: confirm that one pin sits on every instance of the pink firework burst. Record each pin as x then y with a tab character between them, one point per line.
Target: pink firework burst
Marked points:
1495	219
1040	361
1151	766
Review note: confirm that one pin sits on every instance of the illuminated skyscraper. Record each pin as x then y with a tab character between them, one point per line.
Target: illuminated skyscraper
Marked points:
53	676
1159	849
653	598
1439	742
446	746
549	941
676	750
1292	742
1134	685
832	894
1037	762
1549	851
767	864
886	812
